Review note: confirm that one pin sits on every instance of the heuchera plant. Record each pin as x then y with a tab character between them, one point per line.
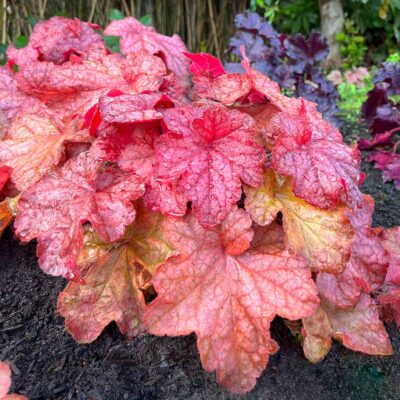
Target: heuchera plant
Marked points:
230	201
382	112
294	62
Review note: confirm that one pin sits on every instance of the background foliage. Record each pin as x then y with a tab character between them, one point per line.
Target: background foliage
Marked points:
208	24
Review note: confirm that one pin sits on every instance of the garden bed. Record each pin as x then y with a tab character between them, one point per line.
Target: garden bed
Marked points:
48	364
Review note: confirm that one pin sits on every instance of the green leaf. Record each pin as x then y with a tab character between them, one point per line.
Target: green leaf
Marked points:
21	41
112	42
146	20
3	55
341	36
31	20
116	14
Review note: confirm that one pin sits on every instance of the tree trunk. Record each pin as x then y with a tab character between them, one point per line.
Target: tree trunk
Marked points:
332	21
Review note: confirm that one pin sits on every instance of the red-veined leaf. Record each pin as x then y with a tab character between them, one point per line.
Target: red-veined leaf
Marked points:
228	299
212	160
53	210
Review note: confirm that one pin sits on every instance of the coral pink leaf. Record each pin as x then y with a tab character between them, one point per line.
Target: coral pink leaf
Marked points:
212	82
359	328
228	300
51	80
53	210
5	384
136	37
131	146
144	71
324	170
366	269
165	196
212	160
133	108
55	40
13	100
389	295
34	145
5	379
5	173
265	87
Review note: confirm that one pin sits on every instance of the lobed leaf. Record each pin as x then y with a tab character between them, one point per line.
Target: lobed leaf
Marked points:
55	40
322	237
114	280
366	269
228	299
136	37
33	146
210	162
53	210
324	169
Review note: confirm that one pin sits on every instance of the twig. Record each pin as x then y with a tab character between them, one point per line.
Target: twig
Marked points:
213	28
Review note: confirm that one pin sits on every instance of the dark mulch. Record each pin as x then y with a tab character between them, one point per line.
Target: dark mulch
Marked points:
48	364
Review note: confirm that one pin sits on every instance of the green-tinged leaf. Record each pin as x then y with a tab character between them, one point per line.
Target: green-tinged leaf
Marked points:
21	41
112	43
116	14
146	20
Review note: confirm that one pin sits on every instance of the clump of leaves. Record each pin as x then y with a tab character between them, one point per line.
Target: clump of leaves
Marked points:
352	45
230	201
382	112
294	62
353	87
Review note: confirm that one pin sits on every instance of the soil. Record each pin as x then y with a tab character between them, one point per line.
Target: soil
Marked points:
48	364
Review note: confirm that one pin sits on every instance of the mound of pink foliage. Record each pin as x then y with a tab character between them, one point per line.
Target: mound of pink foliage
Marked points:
156	171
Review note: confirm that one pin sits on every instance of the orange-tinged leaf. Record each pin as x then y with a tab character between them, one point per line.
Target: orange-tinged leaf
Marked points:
147	238
317	334
33	146
389	296
322	237
359	328
114	279
5	216
228	299
111	293
366	269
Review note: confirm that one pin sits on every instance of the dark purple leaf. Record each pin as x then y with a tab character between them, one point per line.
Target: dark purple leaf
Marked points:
389	73
305	52
387	117
376	97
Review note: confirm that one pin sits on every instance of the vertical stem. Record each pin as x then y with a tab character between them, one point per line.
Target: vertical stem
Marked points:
92	10
214	28
3	15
